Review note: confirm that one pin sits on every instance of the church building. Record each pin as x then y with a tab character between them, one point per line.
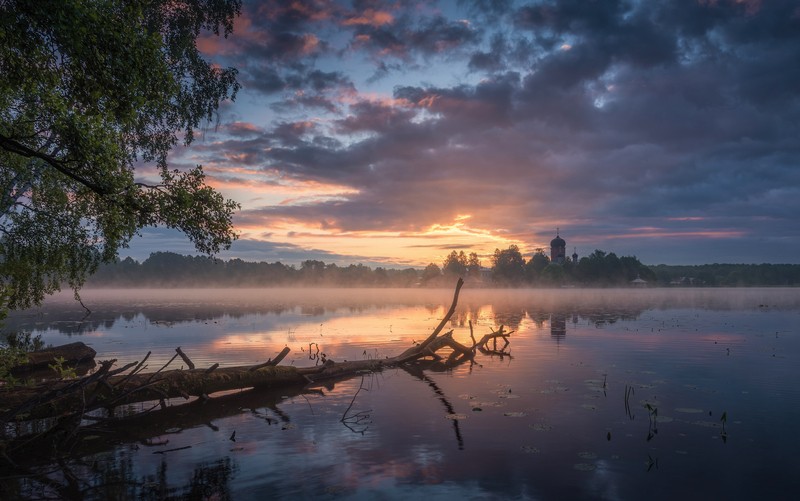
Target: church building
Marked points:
558	249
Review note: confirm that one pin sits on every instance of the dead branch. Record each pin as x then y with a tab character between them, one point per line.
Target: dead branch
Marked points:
285	351
483	344
107	389
186	359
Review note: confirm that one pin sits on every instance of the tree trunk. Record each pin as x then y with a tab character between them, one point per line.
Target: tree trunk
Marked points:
109	389
73	354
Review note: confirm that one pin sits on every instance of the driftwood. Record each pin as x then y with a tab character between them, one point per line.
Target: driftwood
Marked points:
76	355
107	389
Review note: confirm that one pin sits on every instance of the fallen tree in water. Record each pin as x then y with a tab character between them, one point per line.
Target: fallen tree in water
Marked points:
97	397
75	356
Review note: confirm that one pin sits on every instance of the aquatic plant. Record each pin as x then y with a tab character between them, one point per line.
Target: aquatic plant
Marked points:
652	414
724	434
651	462
628	392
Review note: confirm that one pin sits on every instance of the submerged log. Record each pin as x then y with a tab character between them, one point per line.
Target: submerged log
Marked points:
109	390
120	390
72	354
80	430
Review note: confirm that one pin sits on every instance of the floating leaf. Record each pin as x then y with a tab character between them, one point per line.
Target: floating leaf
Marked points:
486	404
689	410
706	424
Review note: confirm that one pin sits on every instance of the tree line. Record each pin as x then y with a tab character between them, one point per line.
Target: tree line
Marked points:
507	268
728	275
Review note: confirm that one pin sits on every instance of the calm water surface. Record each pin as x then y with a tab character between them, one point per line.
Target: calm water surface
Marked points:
602	394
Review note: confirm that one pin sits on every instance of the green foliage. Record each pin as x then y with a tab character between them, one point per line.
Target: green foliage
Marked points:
455	264
64	371
553	274
605	268
22	341
166	269
13	347
537	263
431	274
728	275
508	265
9	358
473	265
88	92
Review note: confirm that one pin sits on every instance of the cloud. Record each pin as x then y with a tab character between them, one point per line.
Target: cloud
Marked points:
597	117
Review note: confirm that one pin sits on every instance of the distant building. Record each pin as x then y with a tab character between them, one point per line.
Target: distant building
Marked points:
558	249
558	325
575	255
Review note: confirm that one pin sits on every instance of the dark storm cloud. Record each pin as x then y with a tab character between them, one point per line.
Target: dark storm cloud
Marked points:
366	116
488	11
489	102
407	37
321	81
263	79
294	15
606	116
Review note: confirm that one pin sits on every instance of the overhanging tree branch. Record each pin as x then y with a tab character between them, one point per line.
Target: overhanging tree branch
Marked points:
18	148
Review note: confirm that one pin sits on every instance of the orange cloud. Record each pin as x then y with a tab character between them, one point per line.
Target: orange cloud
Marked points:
370	17
310	44
315	10
408	248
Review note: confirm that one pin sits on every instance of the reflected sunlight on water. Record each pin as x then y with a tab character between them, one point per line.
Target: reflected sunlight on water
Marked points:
608	394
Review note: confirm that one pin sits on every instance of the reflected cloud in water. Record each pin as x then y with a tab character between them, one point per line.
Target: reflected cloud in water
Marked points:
564	417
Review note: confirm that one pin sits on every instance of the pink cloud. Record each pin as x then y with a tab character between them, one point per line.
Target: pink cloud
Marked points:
370	17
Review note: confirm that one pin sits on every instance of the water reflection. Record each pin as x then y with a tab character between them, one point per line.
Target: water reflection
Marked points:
560	420
504	307
558	325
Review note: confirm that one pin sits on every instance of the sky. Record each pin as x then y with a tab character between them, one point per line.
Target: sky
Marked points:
390	133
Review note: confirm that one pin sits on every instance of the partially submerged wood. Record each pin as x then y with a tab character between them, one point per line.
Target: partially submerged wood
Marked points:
110	389
72	355
116	390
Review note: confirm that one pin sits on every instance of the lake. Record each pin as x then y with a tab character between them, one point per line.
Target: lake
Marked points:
600	394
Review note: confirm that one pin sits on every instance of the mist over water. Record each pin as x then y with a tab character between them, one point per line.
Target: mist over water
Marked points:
562	414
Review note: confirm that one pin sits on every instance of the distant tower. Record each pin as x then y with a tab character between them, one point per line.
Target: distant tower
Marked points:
558	249
575	255
558	325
